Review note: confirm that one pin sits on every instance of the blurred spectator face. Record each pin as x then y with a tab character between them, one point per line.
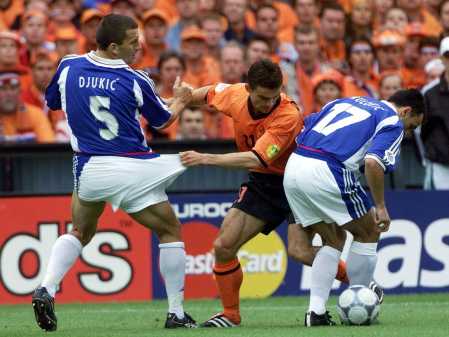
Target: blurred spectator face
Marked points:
427	54
389	85
333	25
144	5
123	7
155	30
37	5
434	69
267	23
396	18
62	11
307	11
383	5
206	5
170	69
390	57
65	47
256	51
362	13
411	52
43	71
35	30
9	95
191	124
232	64
5	3
213	31
89	29
444	15
326	92
9	52
234	10
193	49
409	5
361	57
307	46
188	9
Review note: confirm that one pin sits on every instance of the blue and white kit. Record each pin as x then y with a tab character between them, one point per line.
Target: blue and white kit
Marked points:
103	100
321	176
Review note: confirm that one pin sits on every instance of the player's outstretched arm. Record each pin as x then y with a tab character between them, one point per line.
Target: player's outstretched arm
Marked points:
375	177
182	96
246	159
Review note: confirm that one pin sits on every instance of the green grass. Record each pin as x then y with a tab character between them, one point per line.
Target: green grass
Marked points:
403	316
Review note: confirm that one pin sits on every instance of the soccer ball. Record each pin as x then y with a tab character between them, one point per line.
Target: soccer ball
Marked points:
358	305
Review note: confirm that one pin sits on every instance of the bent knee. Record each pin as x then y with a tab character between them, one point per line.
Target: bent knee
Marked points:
224	251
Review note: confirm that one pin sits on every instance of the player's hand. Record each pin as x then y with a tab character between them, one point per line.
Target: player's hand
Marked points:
182	91
192	158
382	219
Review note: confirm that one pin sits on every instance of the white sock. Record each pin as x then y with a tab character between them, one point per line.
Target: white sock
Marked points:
324	270
361	263
172	264
63	255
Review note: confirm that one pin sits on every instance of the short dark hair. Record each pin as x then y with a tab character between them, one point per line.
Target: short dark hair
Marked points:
331	5
168	55
409	97
112	29
266	74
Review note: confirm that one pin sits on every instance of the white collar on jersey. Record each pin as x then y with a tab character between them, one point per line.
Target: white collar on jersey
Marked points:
390	105
109	63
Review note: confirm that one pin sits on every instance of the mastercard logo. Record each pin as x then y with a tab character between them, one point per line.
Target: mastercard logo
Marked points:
264	263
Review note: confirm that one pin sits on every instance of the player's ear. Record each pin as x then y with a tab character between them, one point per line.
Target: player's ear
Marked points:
113	49
247	87
406	110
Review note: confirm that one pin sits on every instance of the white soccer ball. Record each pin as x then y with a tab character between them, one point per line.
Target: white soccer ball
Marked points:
358	305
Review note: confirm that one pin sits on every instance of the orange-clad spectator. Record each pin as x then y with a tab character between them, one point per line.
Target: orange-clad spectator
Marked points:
238	29
360	20
191	125
381	8
207	6
413	75
308	65
188	11
361	81
169	8
10	12
267	25
389	83
9	56
155	27
90	19
66	41
258	49
287	17
332	25
61	14
307	12
389	46
124	7
396	19
416	12
213	27
327	86
20	122
34	31
444	18
201	69
232	63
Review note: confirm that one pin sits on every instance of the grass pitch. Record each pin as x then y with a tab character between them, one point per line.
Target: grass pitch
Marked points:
402	316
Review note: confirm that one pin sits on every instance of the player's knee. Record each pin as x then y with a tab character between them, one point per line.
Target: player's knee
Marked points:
223	251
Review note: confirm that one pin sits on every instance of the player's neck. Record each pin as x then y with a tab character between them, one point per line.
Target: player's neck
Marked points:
104	54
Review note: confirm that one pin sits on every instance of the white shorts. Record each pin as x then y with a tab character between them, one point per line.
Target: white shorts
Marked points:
318	191
131	184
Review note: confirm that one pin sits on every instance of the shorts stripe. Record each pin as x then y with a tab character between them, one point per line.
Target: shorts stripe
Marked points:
340	177
354	195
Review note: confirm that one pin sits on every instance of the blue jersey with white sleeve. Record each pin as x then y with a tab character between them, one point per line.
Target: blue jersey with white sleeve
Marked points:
103	100
351	129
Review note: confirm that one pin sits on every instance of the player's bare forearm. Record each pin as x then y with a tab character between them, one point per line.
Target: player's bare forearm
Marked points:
232	160
199	96
374	174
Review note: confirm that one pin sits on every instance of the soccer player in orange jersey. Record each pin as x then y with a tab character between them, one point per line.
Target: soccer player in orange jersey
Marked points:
265	124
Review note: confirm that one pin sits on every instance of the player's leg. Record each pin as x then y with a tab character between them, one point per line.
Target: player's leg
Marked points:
238	227
362	256
161	219
64	253
301	249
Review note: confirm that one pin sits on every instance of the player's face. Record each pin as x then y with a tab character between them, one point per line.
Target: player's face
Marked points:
264	99
411	121
127	50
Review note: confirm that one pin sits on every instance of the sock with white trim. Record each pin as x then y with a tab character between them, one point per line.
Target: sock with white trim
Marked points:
361	263
324	270
172	264
63	255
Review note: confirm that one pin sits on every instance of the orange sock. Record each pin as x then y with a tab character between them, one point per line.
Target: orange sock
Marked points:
341	272
229	277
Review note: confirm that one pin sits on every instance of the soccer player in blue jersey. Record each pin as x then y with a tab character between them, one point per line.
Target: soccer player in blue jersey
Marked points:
348	136
103	99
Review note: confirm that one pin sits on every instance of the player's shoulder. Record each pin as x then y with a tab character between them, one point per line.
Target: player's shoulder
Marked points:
238	89
288	108
71	58
142	77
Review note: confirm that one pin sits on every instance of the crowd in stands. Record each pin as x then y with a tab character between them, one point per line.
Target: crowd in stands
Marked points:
326	49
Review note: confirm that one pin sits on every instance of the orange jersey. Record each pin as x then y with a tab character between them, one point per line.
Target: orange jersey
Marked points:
271	138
